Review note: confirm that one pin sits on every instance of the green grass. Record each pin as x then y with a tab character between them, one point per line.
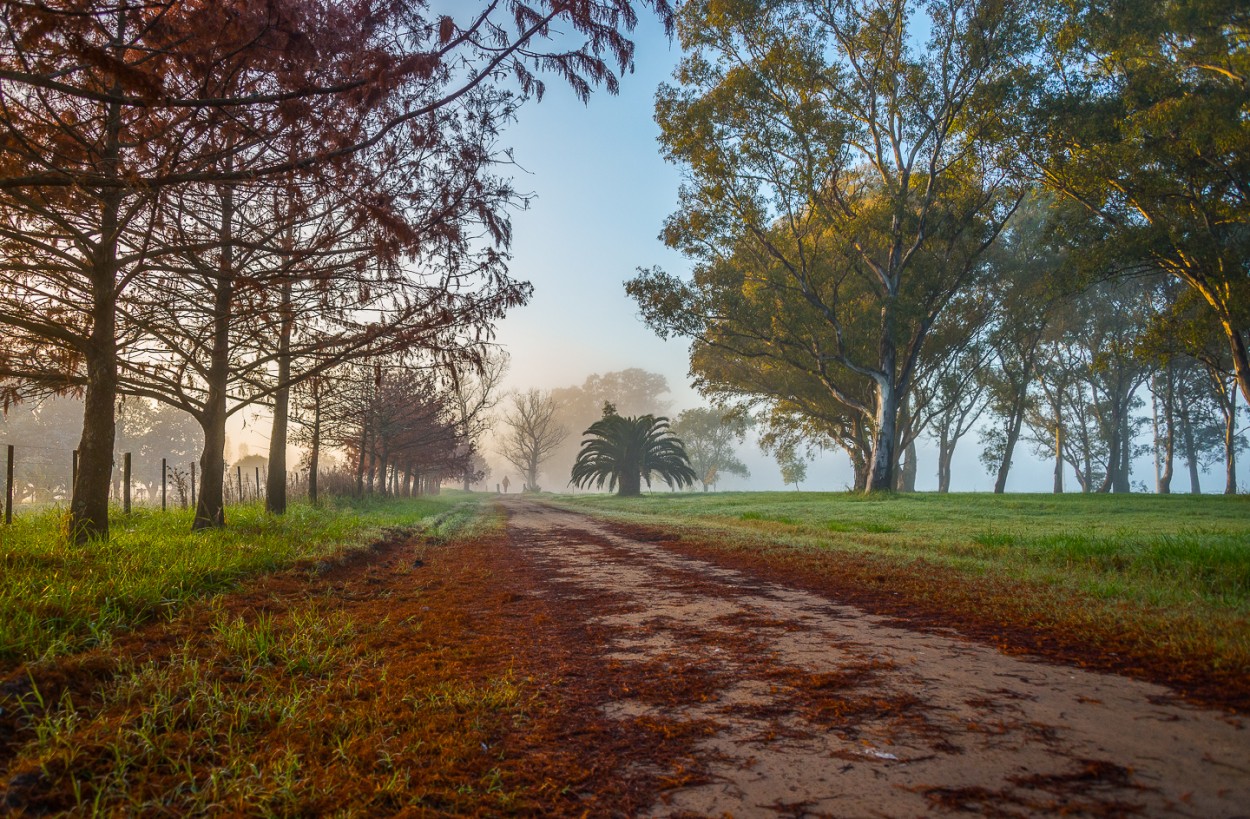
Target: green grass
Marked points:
57	598
1173	551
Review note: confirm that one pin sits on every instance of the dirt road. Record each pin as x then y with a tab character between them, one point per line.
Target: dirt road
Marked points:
811	708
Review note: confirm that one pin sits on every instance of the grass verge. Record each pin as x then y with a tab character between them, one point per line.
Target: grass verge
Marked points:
58	598
1158	586
432	675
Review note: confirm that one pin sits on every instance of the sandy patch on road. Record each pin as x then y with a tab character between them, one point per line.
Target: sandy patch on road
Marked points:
821	709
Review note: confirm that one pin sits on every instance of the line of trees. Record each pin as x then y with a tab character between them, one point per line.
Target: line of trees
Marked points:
1013	221
212	205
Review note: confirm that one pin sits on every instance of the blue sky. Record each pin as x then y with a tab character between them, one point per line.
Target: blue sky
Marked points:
602	194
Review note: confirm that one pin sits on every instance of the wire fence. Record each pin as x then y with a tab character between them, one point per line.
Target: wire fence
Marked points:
36	477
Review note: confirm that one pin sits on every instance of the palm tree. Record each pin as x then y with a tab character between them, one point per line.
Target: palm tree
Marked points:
626	451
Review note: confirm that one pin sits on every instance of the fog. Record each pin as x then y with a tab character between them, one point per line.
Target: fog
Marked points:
830	470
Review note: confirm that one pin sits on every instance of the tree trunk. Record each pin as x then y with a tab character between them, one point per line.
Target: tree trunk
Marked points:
360	463
630	485
881	468
1009	448
1162	416
1113	459
1058	485
1230	445
314	455
89	504
1122	484
275	484
381	467
909	467
859	468
1191	450
946	451
89	509
1087	459
210	509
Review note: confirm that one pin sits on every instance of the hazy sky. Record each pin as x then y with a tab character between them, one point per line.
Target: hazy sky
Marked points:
602	194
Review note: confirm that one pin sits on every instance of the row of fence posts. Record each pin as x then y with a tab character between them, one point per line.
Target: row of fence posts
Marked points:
8	482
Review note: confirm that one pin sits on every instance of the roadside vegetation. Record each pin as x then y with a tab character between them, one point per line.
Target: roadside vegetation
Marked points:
387	680
1166	578
58	597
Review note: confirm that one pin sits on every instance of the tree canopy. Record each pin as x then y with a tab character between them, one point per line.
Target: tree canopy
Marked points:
843	180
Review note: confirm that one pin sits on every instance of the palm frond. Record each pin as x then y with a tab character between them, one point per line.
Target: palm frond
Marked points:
624	452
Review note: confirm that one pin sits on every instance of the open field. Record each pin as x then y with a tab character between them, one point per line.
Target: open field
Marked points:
1160	584
58	598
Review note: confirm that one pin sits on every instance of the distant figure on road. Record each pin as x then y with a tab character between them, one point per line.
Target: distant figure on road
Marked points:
506	484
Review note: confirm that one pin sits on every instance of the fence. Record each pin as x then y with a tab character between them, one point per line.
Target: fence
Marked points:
36	477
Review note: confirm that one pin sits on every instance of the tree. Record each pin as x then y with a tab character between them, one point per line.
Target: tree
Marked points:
793	467
109	104
709	436
633	391
1082	404
624	452
311	398
531	434
475	390
1143	122
843	181
281	295
954	398
1032	271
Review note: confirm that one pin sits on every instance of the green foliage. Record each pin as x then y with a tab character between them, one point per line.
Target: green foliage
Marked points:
624	452
793	467
709	435
1143	121
842	186
58	598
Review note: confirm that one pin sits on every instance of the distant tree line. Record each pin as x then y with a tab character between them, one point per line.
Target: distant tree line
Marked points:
541	433
291	204
917	219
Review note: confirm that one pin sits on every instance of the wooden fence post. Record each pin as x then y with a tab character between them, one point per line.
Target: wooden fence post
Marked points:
238	474
193	484
258	483
164	469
